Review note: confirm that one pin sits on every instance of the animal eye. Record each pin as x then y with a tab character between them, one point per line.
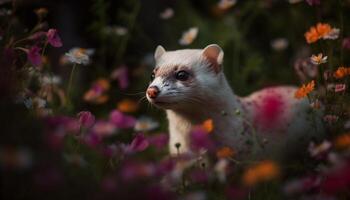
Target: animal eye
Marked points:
182	75
153	76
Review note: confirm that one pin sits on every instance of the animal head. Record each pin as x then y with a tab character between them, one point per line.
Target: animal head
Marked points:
184	78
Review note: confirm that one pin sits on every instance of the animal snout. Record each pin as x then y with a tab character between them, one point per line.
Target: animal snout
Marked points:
152	92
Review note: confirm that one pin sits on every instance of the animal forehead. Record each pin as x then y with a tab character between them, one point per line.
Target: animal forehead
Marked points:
180	57
167	70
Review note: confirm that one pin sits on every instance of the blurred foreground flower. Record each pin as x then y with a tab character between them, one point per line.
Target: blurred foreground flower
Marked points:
121	75
330	118
264	171
118	30
104	128
53	38
139	143
167	14
313	2
127	106
340	88
319	59
305	90
80	55
188	36
15	158
279	44
96	94
342	141
226	4
86	119
319	150
346	43
225	152
121	120
34	56
145	124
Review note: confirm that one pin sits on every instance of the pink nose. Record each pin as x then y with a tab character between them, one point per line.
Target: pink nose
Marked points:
152	92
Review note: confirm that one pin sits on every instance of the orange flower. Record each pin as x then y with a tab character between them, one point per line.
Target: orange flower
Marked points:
305	90
342	141
264	171
311	36
341	72
103	83
323	29
127	106
225	152
208	125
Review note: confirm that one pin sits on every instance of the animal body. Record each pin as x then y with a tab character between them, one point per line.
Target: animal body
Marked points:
191	87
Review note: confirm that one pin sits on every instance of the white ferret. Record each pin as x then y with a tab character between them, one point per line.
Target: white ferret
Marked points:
191	86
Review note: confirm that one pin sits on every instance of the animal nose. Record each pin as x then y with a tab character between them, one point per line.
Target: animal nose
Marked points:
153	92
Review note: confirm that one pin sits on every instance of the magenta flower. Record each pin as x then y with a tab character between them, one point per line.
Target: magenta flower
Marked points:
121	120
200	139
337	179
53	38
104	128
159	141
346	43
34	56
121	75
139	143
86	119
313	2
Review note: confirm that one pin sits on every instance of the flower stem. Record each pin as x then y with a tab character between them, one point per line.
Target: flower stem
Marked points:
70	81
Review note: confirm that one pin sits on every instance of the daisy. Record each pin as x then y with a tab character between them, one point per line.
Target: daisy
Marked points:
80	55
319	59
189	36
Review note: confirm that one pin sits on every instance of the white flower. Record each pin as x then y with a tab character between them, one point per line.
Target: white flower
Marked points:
38	102
119	30
319	59
167	14
316	150
279	44
333	34
189	36
51	80
79	55
226	4
220	169
145	124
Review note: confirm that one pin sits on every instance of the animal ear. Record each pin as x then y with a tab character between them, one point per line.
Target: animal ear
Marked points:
159	52
214	55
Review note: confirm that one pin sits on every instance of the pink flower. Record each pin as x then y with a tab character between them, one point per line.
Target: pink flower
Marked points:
121	120
159	141
313	2
53	38
139	143
337	180
86	119
330	118
340	87
304	184
104	128
34	56
121	75
200	139
346	43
